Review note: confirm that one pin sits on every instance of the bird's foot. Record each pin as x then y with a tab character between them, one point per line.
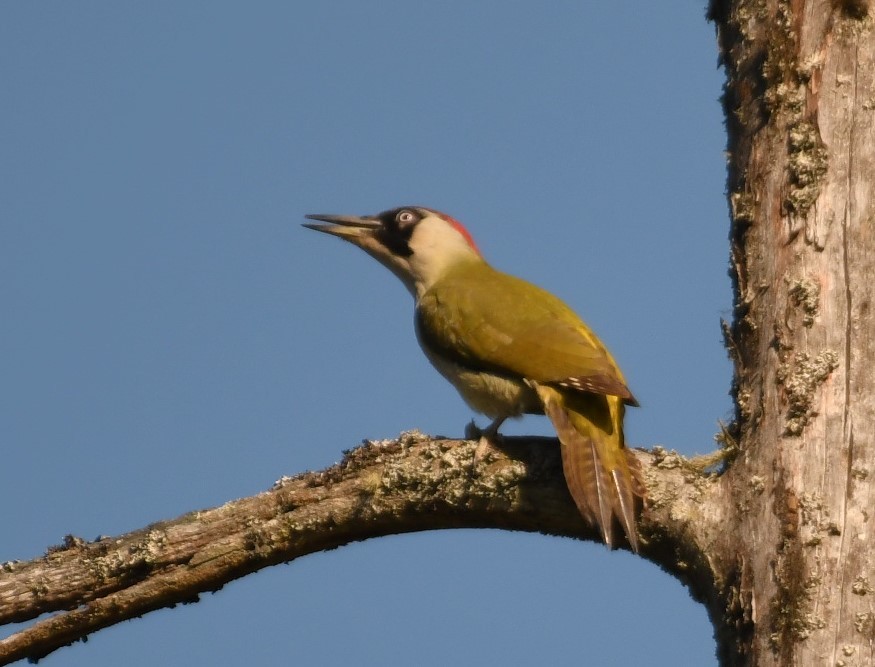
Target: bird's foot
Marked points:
490	433
472	431
485	438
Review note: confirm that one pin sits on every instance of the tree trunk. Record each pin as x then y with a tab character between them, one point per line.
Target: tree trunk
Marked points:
799	102
777	547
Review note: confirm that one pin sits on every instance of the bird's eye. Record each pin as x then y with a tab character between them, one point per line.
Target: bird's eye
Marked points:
405	217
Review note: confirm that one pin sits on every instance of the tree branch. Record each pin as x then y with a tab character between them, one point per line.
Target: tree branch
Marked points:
410	484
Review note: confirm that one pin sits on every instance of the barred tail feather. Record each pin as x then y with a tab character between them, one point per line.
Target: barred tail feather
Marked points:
604	480
587	457
628	512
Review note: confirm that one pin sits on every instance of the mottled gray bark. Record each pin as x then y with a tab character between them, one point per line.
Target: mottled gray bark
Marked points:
800	106
410	484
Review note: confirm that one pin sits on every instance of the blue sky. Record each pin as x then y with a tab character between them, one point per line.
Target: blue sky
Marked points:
172	338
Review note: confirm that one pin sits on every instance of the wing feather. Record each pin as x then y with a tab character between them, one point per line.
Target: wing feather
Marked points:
487	320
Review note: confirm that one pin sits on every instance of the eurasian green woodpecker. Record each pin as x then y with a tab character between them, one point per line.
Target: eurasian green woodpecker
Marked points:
511	348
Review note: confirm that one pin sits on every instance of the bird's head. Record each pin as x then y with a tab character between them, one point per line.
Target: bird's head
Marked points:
417	244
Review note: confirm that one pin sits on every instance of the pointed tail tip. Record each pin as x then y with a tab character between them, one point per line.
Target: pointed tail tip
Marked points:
626	507
634	544
612	543
631	541
603	477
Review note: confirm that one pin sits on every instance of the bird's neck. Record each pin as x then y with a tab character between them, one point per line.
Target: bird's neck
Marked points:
430	269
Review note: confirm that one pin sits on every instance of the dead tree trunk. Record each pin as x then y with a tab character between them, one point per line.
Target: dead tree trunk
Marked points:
797	569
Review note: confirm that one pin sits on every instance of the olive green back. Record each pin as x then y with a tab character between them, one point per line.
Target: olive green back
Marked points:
487	320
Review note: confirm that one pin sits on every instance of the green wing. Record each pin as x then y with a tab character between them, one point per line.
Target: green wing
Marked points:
487	320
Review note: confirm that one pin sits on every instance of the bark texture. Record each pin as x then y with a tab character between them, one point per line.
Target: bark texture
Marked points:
388	487
800	105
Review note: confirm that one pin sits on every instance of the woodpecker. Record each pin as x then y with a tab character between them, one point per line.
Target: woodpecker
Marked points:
511	348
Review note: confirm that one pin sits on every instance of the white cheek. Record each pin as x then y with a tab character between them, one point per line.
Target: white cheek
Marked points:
436	246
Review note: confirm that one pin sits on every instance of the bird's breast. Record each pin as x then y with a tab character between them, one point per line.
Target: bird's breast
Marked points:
488	393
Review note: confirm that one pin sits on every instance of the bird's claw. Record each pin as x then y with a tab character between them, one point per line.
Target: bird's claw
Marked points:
484	437
490	433
472	431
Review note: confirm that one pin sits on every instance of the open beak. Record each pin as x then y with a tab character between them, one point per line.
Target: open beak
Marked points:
351	228
368	233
